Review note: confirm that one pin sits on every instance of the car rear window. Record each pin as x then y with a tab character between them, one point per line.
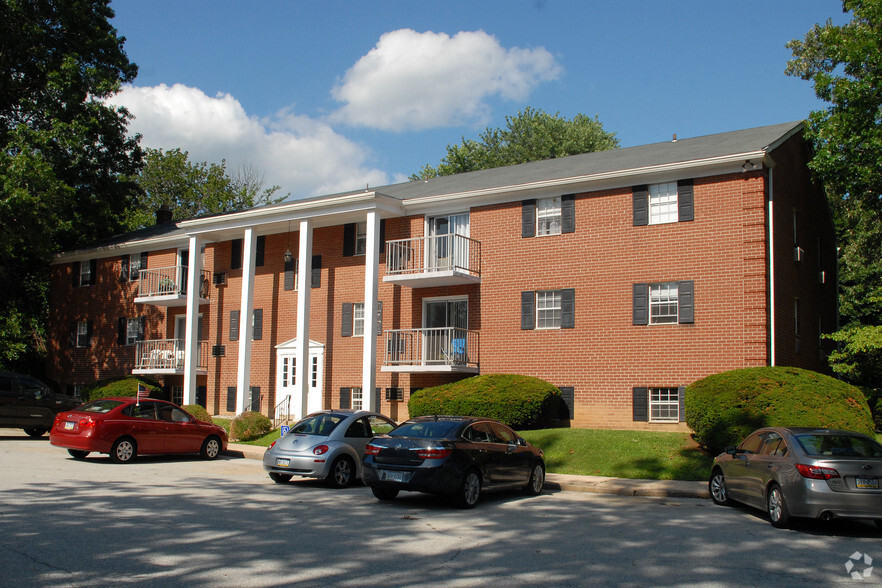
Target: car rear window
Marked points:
839	445
427	429
318	424
100	406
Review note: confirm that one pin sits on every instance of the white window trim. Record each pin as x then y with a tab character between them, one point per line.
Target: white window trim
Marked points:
675	300
83	334
360	237
132	323
86	272
555	310
552	213
671	402
356	398
665	208
358	319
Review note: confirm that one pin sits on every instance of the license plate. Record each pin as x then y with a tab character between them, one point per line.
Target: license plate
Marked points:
392	476
867	483
68	426
282	463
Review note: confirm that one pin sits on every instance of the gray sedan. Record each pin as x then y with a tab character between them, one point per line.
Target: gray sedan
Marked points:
802	472
327	444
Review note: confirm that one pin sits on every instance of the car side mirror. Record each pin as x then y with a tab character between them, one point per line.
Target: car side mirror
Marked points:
731	450
522	442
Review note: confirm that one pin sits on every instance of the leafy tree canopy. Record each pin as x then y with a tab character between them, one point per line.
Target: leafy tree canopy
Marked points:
532	135
844	63
169	180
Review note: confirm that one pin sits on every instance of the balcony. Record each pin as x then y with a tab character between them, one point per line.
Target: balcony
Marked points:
167	286
166	356
427	262
436	350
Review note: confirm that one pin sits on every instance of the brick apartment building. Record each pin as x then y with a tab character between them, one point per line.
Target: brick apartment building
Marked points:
618	276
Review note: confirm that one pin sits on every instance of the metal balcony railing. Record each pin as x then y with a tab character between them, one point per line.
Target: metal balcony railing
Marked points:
444	346
433	254
167	354
170	281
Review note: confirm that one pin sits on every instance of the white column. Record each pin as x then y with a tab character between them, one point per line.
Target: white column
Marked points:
191	343
304	283
371	277
246	325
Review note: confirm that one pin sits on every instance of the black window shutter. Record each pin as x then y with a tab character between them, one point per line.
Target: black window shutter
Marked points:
93	271
143	262
257	332
231	399
236	254
200	395
640	404
568	213
344	398
685	201
260	253
124	269
316	281
379	320
142	327
89	325
121	331
528	316
376	400
346	320
77	269
568	308
641	205
72	336
686	302
681	397
234	325
641	304
255	399
382	238
289	274
528	218
348	239
568	395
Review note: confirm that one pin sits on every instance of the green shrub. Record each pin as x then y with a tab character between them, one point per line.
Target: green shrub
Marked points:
122	386
198	411
521	402
250	425
874	399
724	408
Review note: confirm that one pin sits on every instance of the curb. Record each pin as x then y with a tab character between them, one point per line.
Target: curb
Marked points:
567	482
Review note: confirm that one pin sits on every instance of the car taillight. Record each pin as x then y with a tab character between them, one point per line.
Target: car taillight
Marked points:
433	452
272	445
87	423
816	472
320	449
372	449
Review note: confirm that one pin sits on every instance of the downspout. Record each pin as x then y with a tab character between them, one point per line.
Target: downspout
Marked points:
771	222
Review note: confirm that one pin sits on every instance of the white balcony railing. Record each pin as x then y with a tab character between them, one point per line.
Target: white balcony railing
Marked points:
426	257
436	349
170	281
163	355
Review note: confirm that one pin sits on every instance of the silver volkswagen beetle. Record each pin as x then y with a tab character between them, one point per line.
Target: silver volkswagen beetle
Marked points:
328	444
802	472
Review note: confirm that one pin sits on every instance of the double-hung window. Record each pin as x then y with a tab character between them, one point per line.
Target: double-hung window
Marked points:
360	237
664	405
133	330
82	338
86	274
548	307
356	399
663	203
548	216
663	303
358	319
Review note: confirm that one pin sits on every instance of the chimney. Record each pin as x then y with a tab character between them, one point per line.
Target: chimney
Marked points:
163	215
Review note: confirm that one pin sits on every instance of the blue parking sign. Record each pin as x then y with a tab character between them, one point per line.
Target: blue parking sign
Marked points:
284	430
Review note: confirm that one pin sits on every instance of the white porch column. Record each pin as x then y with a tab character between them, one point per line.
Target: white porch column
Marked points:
371	277
246	324
191	342
304	284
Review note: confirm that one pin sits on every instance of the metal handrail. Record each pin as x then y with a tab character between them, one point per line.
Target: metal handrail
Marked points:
448	346
282	412
431	254
172	280
167	354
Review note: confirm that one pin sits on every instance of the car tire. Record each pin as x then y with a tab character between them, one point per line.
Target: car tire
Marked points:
878	523
342	472
385	494
776	507
280	478
717	488
211	448
36	432
537	480
77	454
123	450
469	490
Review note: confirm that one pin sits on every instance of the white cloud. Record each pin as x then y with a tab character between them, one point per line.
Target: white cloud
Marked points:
412	81
303	156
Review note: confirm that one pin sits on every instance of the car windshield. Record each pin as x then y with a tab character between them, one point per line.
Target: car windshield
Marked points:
427	429
100	406
839	445
318	424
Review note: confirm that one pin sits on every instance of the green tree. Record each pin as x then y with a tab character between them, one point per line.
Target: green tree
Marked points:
66	161
532	135
168	179
844	63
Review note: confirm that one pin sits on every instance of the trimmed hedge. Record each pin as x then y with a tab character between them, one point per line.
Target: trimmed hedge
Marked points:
521	402
198	411
250	425
122	386
724	408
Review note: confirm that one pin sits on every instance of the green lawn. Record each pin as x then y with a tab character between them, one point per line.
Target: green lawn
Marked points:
592	452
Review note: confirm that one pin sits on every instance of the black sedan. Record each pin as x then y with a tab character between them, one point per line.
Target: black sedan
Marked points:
452	455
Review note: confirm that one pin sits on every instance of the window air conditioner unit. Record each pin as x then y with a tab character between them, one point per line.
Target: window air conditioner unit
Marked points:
798	252
220	279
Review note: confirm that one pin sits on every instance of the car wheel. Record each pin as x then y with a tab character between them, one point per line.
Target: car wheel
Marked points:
537	480
469	491
123	450
777	507
384	493
36	431
210	448
717	488
342	472
77	454
280	478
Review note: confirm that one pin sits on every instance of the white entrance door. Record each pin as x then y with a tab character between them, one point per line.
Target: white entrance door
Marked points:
287	371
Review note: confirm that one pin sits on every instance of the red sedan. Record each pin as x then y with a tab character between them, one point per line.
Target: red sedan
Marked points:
126	427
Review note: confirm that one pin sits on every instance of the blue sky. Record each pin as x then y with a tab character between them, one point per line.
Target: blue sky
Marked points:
327	96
